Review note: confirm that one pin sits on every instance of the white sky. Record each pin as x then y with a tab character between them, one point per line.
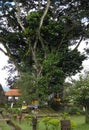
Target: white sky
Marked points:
3	62
3	73
85	62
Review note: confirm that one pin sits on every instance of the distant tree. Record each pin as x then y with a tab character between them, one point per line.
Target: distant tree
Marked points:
80	93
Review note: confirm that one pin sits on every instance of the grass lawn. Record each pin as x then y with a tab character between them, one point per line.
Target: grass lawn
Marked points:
4	126
78	120
80	123
24	125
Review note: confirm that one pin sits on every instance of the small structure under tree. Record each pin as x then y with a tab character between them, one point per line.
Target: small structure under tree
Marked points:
13	94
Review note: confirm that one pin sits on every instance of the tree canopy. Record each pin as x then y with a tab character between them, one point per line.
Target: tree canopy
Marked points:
37	36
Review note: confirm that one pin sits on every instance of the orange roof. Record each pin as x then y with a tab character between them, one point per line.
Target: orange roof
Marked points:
13	92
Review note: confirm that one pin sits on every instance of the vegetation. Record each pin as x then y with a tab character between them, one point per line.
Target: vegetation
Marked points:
38	37
77	122
38	43
46	122
4	126
80	93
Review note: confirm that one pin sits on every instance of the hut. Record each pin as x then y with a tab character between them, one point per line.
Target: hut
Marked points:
13	94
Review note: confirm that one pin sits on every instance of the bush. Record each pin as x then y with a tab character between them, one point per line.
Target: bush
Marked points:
54	123
45	121
75	110
65	115
73	124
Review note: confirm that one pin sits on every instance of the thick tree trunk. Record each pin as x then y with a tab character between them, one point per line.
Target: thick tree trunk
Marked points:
87	115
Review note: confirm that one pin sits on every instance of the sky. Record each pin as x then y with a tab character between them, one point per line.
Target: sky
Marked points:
81	49
4	74
85	63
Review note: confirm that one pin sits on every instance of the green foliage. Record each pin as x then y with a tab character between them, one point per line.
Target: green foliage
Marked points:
76	121
80	90
45	120
48	121
28	119
65	115
54	122
75	110
73	124
27	84
14	110
80	93
43	57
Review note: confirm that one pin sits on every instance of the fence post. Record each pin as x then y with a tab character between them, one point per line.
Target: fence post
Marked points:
65	125
34	123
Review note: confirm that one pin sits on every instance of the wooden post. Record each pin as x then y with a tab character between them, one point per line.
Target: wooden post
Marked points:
34	123
65	125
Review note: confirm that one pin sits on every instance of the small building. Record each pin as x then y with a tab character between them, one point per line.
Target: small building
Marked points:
12	94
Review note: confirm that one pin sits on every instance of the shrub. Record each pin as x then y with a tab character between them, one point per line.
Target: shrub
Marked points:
45	120
54	123
65	115
75	110
73	124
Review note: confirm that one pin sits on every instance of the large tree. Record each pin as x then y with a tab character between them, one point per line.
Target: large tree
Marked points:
37	36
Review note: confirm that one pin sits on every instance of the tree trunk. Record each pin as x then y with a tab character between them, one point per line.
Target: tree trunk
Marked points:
87	115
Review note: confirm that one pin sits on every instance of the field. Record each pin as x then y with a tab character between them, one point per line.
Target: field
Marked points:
78	124
43	123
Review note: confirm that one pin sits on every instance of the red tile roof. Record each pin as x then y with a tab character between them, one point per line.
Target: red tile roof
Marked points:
13	92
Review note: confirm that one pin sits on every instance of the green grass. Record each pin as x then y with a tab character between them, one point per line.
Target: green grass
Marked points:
78	120
4	126
83	127
80	123
24	125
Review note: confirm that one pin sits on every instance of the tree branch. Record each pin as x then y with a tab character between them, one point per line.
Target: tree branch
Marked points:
41	23
39	3
3	51
18	15
37	65
44	14
78	43
65	37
